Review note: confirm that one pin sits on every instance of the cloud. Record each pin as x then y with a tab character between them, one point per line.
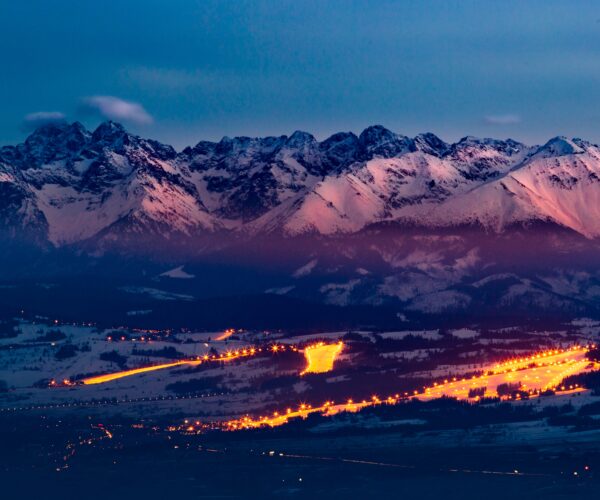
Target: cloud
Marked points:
39	118
166	78
117	109
502	119
177	81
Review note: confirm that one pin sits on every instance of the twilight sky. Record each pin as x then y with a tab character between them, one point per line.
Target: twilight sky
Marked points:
180	71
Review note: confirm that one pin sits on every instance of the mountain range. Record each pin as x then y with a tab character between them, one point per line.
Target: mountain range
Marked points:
482	227
67	185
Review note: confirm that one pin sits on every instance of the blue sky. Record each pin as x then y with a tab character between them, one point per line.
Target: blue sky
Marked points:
180	71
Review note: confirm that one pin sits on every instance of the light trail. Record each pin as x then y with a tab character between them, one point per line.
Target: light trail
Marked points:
320	357
304	410
228	356
532	375
109	377
537	358
403	466
225	335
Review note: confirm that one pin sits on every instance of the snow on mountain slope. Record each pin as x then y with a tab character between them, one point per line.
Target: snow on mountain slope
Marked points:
484	159
19	213
69	185
75	215
82	183
566	188
242	178
262	179
375	190
560	183
338	204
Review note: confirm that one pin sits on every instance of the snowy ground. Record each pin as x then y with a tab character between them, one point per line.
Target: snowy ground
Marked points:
31	359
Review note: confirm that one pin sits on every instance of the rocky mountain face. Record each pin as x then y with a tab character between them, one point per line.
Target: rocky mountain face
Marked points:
372	219
68	185
77	185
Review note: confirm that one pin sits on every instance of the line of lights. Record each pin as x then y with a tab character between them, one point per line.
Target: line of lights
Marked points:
207	358
452	387
229	355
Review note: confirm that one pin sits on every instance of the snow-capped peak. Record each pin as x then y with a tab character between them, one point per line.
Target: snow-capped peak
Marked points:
377	140
561	146
299	139
75	185
431	144
108	131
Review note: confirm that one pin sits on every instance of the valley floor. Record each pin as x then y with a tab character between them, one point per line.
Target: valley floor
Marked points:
161	433
141	464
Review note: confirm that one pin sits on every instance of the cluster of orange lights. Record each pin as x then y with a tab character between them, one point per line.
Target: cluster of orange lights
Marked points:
61	383
321	356
538	357
437	389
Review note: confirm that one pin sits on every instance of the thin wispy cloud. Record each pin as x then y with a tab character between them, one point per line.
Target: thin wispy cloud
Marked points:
34	120
508	119
165	78
114	108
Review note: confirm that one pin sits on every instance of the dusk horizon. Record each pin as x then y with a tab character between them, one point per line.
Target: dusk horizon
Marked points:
300	249
258	68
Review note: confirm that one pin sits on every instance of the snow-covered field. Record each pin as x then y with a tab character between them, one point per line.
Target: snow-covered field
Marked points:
41	352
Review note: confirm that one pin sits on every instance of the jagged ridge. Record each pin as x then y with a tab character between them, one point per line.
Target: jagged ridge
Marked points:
67	185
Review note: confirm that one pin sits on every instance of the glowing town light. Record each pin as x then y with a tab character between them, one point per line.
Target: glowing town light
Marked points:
321	357
560	368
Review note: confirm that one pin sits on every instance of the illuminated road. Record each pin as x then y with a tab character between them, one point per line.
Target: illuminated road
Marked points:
529	375
303	411
532	375
320	357
228	356
225	335
100	379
